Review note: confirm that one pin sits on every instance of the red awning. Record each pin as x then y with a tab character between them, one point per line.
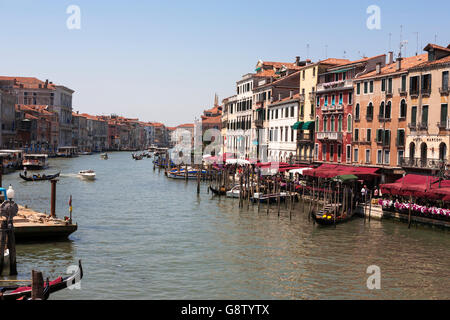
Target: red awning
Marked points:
418	186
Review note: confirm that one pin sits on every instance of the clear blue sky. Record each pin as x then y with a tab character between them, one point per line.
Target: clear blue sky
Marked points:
164	60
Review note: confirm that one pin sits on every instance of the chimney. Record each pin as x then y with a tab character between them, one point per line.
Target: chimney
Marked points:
399	63
291	93
297	60
378	68
391	57
279	96
46	83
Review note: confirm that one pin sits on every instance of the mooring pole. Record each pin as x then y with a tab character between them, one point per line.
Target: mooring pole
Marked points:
53	198
37	285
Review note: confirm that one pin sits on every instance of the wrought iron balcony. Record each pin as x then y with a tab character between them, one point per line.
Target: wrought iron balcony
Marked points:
330	86
414	93
333	136
412	125
426	91
444	125
422	163
444	91
423	126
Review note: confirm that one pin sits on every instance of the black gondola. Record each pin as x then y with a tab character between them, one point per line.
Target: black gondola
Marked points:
328	219
39	178
221	192
18	292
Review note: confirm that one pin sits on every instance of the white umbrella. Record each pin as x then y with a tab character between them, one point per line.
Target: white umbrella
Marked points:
237	161
299	171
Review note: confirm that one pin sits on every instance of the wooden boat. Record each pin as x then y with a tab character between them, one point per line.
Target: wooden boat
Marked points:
273	197
35	161
24	292
87	174
39	177
220	192
326	217
192	174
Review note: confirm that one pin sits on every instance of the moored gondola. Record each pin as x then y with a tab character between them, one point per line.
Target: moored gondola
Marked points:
220	192
23	293
39	177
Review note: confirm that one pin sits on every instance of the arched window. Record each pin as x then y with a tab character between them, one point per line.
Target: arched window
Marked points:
357	112
340	123
387	111
369	115
332	122
381	112
423	154
349	123
403	108
325	127
317	124
412	151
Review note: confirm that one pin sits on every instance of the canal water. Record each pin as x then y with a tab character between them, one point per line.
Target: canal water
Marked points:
143	236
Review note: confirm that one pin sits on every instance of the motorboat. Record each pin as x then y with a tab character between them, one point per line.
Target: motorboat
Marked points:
104	156
87	174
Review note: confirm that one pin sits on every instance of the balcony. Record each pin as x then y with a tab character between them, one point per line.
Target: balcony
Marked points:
329	136
412	126
259	123
414	93
382	118
444	125
305	138
422	163
402	91
335	85
444	91
422	126
388	93
426	92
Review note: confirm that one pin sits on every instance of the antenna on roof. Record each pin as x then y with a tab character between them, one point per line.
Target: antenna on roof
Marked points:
390	38
417	43
344	53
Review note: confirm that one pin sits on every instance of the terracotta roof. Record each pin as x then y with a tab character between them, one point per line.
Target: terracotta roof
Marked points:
287	99
28	82
435	46
406	64
334	61
186	125
216	119
214	110
288	65
294	74
265	73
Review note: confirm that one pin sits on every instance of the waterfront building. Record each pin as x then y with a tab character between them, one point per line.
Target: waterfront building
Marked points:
274	81
428	132
334	109
228	107
308	77
212	119
380	115
8	128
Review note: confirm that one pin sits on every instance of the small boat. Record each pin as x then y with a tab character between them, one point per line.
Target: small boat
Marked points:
191	174
38	177
104	156
330	216
24	292
273	197
87	174
234	192
85	153
35	161
220	192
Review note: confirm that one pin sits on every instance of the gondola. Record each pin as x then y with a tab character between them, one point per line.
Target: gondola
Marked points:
23	293
40	178
220	192
328	219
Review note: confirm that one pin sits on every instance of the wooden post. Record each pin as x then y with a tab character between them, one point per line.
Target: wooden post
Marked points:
185	172
409	213
258	189
268	192
199	169
12	249
4	227
1	175
37	285
277	191
240	192
53	198
370	205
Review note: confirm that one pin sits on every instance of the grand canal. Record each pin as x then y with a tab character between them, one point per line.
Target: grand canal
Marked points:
143	236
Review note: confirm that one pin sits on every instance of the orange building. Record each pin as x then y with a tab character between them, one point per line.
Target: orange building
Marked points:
380	115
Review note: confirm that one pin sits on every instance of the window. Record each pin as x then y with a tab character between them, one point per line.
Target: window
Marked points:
349	153
358	88
387	138
341	98
357	112
369	115
380	135
349	123
369	135
332	123
371	86
414	85
340	123
324	152
326	101
356	137
336	77
355	155
400	155
292	112
344	75
386	156
403	107
413	115
318	101
387	111
389	88
332	152
444	114
403	83
367	155
425	116
302	110
316	151
379	156
426	83
400	138
317	124
445	80
350	98
303	75
281	134
286	134
366	84
383	85
339	151
325	127
314	72
332	100
381	112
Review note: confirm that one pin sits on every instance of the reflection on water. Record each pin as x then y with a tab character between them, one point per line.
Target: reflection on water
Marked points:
142	236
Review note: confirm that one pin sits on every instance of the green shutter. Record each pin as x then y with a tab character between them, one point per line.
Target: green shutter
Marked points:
413	115
444	113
